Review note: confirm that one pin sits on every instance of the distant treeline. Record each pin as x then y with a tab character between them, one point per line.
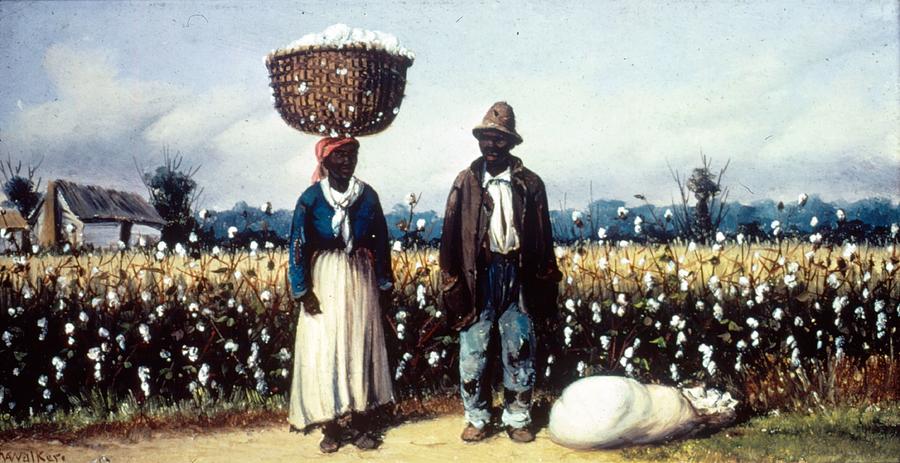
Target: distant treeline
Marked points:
862	219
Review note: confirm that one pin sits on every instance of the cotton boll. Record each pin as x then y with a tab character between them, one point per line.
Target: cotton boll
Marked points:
339	36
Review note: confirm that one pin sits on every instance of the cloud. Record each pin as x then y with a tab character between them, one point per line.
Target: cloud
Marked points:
91	129
93	103
817	117
774	117
101	122
258	158
191	123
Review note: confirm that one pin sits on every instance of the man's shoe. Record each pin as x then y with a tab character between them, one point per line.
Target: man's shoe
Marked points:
473	434
520	435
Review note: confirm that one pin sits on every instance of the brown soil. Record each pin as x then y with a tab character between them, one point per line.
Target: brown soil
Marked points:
433	440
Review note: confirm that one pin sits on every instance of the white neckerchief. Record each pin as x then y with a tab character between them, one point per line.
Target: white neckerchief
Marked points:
504	237
340	202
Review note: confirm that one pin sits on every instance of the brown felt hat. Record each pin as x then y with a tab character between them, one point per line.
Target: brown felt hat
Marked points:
500	118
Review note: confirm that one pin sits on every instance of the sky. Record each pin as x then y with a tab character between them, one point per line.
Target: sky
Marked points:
801	97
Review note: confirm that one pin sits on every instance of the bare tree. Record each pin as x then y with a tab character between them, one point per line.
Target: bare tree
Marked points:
21	189
711	200
173	192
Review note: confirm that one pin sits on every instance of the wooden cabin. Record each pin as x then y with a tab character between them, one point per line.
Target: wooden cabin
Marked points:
89	215
13	230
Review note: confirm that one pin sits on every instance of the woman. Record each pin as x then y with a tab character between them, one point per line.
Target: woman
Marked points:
340	274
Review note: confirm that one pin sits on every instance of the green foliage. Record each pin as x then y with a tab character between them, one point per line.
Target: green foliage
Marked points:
173	191
835	435
22	193
110	409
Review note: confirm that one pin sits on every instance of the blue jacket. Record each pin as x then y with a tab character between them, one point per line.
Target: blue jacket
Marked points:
311	231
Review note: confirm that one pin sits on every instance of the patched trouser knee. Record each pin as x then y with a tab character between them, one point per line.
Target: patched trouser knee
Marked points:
474	387
517	350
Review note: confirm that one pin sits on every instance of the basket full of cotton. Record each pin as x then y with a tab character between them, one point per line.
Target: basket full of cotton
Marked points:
340	82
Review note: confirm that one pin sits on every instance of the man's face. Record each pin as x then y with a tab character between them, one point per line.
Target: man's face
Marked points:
494	146
341	163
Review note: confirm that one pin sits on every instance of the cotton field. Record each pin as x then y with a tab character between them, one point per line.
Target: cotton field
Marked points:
173	321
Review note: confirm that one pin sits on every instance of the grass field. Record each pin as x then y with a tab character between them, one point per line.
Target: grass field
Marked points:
843	434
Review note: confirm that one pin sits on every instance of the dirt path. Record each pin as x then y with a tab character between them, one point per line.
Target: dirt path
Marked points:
434	440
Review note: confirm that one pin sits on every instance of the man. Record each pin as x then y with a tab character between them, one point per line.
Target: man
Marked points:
499	274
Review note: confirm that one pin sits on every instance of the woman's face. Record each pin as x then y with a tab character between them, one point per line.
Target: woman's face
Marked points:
341	163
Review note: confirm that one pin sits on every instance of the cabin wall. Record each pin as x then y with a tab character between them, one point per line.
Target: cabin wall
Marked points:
151	235
105	235
101	235
68	220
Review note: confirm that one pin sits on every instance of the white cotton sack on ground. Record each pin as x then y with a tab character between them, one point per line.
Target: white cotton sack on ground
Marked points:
612	411
715	407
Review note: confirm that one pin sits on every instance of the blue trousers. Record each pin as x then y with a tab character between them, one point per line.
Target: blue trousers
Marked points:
500	313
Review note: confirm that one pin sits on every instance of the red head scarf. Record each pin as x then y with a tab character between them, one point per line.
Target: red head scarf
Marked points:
324	148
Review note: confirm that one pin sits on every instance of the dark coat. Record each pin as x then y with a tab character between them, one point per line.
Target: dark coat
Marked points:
311	231
464	242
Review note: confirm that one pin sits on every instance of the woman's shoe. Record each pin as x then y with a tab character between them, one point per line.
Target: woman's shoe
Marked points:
365	441
329	444
331	438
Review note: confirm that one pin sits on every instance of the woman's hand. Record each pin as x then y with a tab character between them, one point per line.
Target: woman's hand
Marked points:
310	303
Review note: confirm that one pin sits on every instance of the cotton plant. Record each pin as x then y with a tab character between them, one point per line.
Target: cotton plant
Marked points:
653	307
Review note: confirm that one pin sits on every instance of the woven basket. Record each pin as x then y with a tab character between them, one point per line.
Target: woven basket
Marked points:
346	92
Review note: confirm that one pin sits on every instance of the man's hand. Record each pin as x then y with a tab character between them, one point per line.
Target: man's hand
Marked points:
385	299
310	303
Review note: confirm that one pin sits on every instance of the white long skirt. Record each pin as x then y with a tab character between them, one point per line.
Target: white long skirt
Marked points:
340	362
